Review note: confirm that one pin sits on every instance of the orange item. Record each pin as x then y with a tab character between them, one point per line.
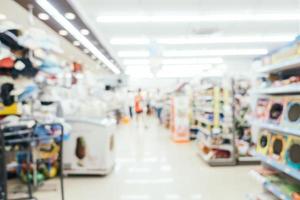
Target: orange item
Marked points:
137	104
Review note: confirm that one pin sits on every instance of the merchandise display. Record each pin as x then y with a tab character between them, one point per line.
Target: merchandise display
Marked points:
129	99
242	115
216	138
276	117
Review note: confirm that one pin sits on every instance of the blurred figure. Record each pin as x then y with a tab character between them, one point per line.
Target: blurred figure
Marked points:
130	103
138	105
159	105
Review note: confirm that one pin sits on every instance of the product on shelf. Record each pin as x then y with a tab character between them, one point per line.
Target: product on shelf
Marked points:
263	142
261	109
292	155
276	107
278	147
292	113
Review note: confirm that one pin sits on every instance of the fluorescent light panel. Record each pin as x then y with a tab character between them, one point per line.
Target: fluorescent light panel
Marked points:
130	41
241	17
168	71
139	71
224	40
132	54
76	33
214	52
192	61
136	62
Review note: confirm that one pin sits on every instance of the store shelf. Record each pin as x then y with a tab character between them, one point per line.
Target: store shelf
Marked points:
281	167
277	128
276	191
205	121
216	162
269	186
248	159
287	89
286	65
226	147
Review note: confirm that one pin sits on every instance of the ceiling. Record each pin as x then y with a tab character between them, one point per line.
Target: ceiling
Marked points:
152	31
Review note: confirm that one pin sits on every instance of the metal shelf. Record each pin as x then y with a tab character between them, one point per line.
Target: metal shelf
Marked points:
269	186
276	191
277	128
281	167
286	89
286	65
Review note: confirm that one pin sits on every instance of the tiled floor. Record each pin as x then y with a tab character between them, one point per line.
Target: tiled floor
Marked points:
151	167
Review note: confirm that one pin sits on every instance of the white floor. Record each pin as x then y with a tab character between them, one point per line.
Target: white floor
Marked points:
151	167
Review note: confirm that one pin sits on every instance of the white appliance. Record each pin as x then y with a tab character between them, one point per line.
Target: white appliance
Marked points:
90	149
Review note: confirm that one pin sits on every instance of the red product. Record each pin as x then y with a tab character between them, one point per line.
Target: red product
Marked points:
7	63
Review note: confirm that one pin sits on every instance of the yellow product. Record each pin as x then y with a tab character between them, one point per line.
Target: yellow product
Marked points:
263	142
277	149
14	109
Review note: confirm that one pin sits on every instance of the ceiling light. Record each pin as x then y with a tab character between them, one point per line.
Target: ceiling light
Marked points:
43	16
76	43
132	54
76	33
192	61
139	71
63	32
136	62
215	52
189	71
84	31
130	41
223	40
201	18
2	16
70	16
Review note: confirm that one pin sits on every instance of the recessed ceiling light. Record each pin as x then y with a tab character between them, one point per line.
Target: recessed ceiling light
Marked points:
43	16
63	32
84	31
59	18
76	43
86	51
70	16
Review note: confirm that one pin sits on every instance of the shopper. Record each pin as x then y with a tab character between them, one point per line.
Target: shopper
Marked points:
130	103
138	106
159	105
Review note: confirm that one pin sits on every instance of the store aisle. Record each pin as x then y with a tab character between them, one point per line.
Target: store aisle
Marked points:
150	166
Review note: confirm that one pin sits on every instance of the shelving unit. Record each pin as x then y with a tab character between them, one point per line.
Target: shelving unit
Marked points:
281	84
242	127
215	124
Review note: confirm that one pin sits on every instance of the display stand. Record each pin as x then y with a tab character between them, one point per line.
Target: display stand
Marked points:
180	118
242	114
216	139
30	141
97	156
277	121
